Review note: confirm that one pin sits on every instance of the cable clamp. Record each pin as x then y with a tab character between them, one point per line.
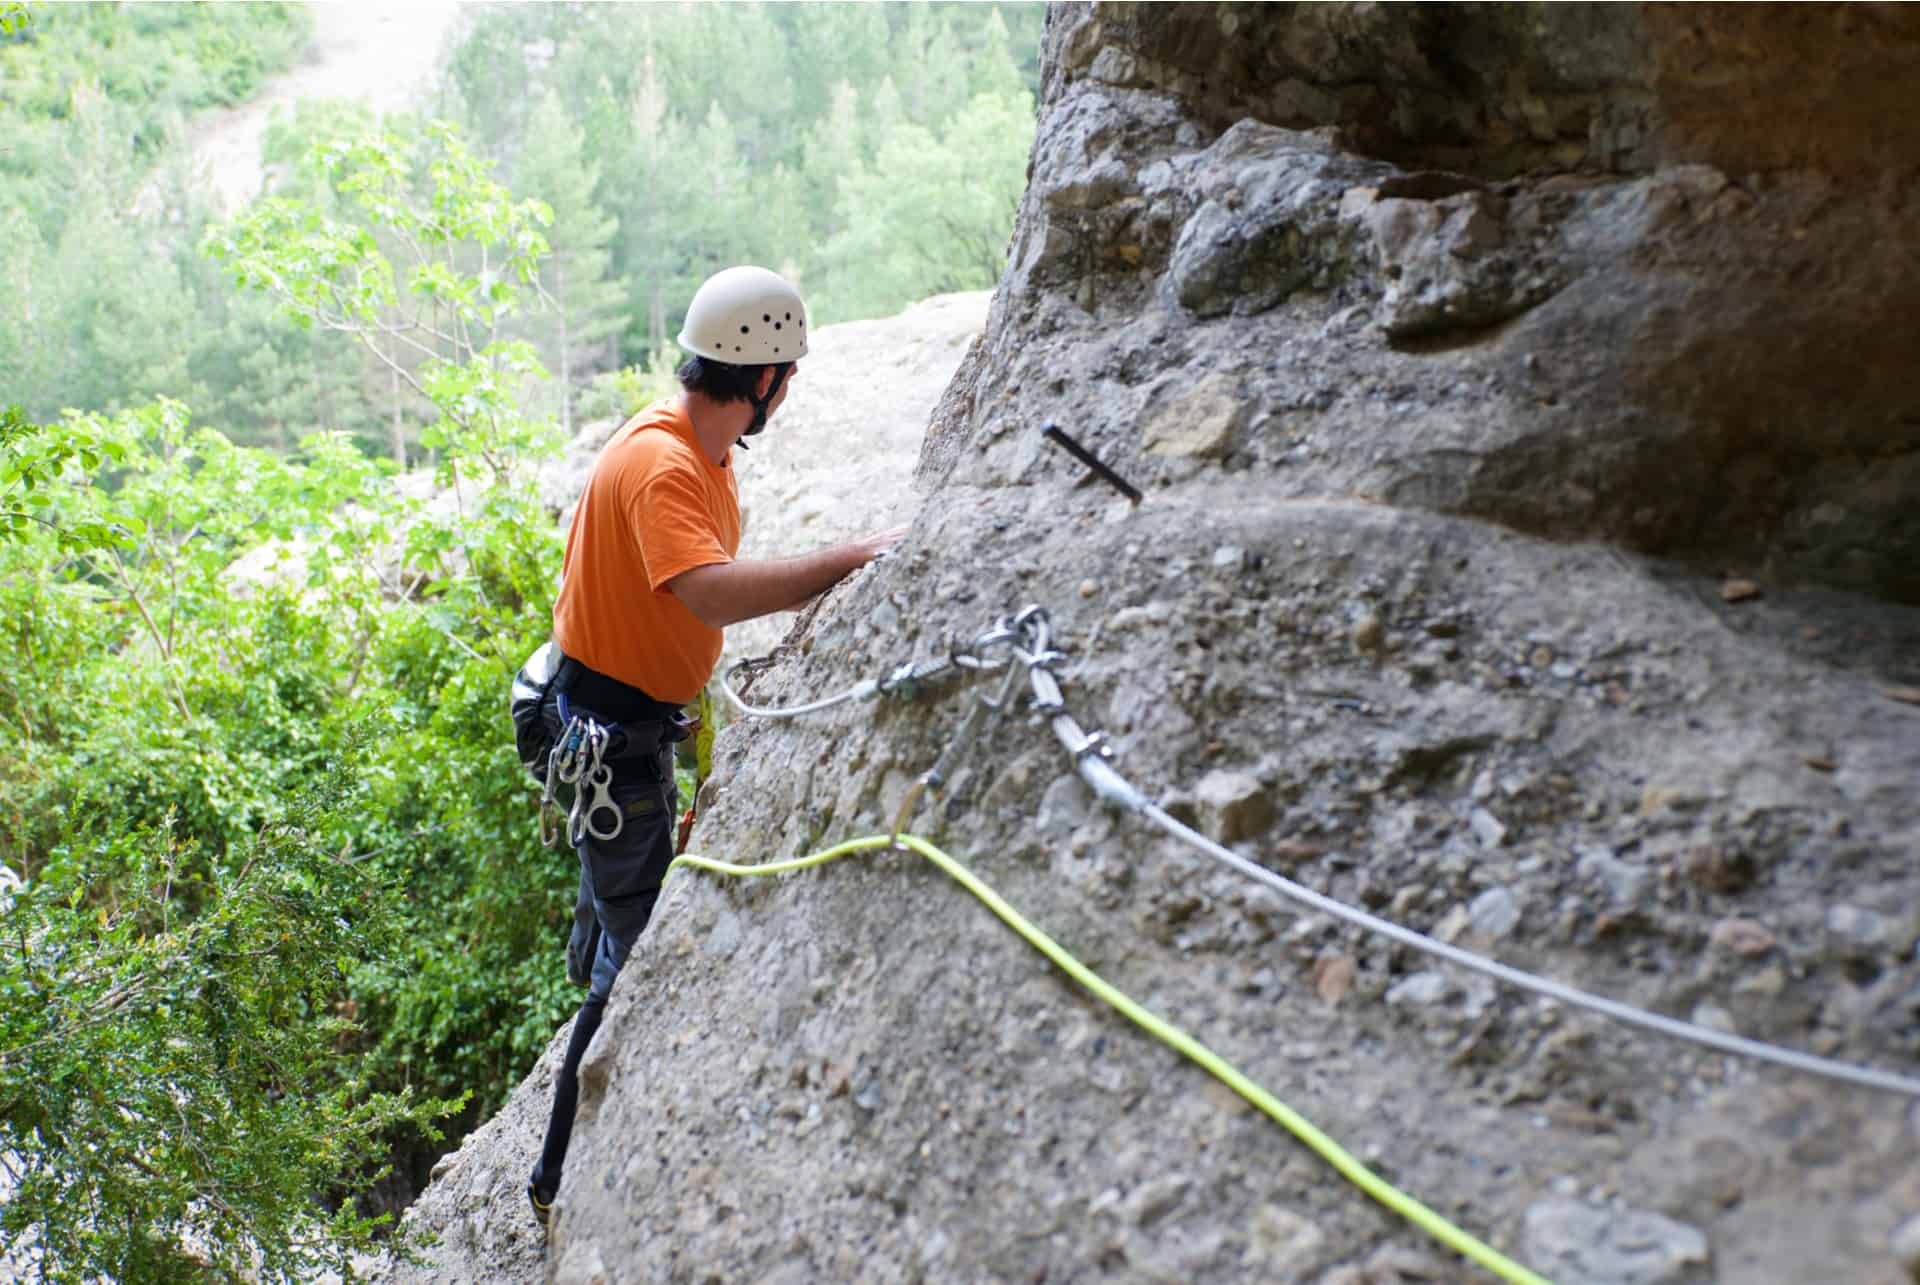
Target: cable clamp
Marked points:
1094	743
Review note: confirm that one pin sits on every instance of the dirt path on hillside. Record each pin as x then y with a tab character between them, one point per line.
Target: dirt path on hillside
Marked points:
382	55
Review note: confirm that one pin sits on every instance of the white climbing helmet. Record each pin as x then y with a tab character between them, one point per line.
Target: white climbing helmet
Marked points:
746	316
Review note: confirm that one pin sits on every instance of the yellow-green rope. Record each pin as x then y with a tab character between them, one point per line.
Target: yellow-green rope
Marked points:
1296	1124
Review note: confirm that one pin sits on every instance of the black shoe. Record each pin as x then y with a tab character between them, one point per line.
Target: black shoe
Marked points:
542	1206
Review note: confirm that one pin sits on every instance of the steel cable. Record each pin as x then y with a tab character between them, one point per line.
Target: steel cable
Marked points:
1030	633
1807	1063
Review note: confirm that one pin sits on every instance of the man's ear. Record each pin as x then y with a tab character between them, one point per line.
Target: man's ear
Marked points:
764	382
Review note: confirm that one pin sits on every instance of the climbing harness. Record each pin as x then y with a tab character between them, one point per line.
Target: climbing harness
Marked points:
1342	1160
578	760
1027	639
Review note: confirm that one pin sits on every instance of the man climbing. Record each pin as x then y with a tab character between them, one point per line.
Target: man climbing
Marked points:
648	585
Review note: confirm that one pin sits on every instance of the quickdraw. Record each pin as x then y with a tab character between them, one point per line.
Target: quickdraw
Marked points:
578	759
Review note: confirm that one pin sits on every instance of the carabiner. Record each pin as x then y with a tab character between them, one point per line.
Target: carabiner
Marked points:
599	798
569	760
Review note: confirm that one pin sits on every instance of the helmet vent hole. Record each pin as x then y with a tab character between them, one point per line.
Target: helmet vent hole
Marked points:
743	330
766	316
776	325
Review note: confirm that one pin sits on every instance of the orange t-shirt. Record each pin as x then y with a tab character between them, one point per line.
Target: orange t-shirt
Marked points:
654	507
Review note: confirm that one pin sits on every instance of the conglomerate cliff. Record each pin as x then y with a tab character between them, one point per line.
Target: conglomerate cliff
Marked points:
1523	401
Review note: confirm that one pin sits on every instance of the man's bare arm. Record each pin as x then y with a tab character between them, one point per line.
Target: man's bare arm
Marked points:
725	593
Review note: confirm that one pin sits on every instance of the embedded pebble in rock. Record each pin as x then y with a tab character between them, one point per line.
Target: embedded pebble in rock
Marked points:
1487	828
1494	913
1282	1243
1393	1263
1742	937
1233	805
725	937
582	1264
1574	1243
1768	983
1626	884
1715	1018
1368	633
1853	927
1063	805
1452	924
1154	1200
1421	990
1333	977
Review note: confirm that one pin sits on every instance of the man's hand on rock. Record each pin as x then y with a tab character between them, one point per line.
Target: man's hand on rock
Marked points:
880	542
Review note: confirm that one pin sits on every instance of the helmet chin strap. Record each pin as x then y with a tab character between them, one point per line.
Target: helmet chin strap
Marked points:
760	405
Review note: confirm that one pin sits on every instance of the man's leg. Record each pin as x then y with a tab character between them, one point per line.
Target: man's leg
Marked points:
607	963
622	879
584	942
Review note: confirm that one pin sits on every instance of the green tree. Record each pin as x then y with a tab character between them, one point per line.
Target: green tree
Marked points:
472	596
173	1098
930	61
27	307
171	1101
830	45
310	634
584	308
833	150
123	312
993	69
93	95
931	214
432	200
807	93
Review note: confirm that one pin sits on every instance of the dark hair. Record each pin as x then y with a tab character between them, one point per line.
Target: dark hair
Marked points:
721	381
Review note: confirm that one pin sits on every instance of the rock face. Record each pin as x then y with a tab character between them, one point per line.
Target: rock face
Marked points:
1681	331
1522	401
